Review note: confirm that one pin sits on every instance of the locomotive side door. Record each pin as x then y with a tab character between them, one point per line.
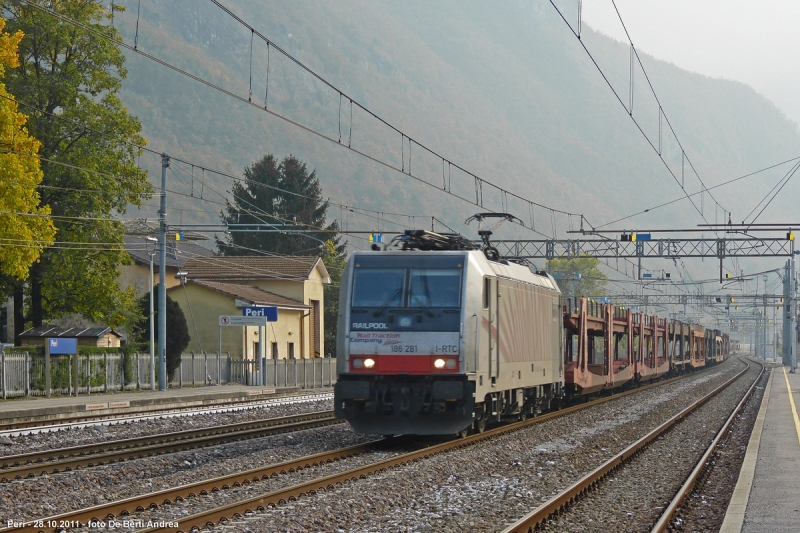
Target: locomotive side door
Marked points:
493	299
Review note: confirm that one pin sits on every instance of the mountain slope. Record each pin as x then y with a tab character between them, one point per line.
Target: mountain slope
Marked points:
502	88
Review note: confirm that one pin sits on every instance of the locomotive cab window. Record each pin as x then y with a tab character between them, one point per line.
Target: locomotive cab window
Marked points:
486	296
378	287
429	287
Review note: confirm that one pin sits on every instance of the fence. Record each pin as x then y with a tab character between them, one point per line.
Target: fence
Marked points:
201	369
304	373
23	374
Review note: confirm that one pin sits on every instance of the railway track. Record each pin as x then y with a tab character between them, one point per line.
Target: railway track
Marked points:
153	500
592	482
72	458
89	419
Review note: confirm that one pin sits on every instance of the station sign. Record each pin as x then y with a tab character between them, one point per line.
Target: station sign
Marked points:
233	320
62	346
271	313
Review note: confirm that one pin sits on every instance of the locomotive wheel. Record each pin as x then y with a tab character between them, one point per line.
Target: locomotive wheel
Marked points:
463	433
480	425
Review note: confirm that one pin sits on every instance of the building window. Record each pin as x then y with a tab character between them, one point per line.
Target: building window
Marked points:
290	353
274	350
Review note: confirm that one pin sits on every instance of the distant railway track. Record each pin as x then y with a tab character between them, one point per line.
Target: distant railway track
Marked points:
221	514
72	458
92	419
561	503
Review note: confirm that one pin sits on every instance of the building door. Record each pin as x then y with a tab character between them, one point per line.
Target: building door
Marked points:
315	333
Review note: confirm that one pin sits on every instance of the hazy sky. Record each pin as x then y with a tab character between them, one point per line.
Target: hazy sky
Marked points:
756	42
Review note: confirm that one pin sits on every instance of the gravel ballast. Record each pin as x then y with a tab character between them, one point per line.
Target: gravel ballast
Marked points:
480	487
116	431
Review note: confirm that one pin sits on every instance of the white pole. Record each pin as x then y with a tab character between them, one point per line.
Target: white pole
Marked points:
152	329
261	380
792	303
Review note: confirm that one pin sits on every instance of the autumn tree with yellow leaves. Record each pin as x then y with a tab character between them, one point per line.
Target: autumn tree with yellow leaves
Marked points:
25	226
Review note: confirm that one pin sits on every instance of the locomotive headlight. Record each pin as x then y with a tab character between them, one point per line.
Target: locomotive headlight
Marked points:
450	364
369	363
358	363
404	321
439	363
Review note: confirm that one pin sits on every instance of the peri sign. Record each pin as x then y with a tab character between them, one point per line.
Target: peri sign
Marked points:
271	313
63	346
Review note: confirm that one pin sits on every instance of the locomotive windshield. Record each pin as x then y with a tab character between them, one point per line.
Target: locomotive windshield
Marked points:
413	287
379	287
430	287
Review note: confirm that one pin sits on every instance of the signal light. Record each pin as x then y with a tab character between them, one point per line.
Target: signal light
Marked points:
790	236
727	275
732	300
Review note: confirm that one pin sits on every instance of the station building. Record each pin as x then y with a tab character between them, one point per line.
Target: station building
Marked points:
208	287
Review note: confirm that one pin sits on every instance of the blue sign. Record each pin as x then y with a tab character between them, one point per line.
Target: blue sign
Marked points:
647	276
62	346
270	312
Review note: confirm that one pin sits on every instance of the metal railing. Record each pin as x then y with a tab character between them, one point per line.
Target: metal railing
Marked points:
304	373
23	373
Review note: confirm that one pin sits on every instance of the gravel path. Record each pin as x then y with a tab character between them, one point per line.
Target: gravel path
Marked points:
634	498
104	433
479	487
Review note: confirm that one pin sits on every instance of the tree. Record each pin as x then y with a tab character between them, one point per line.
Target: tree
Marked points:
592	281
25	227
334	262
178	338
285	195
70	78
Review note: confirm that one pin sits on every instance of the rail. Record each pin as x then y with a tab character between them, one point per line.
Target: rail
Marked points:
686	489
67	459
130	505
558	503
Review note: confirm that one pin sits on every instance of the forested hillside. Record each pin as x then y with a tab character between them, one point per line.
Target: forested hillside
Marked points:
501	88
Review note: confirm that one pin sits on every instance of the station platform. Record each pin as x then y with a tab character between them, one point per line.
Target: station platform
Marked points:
767	495
14	411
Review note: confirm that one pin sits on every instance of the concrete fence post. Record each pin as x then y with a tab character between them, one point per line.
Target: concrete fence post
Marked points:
3	355
194	384
27	374
138	371
105	380
180	372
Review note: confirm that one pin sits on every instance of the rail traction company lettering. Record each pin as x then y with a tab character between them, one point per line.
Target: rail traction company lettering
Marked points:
385	338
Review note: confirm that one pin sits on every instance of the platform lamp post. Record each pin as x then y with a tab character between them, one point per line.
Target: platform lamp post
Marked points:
793	306
152	254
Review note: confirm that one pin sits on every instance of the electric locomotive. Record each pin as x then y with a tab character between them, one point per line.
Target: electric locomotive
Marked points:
438	337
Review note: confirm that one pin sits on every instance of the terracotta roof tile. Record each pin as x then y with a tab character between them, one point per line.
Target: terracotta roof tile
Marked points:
249	267
251	294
